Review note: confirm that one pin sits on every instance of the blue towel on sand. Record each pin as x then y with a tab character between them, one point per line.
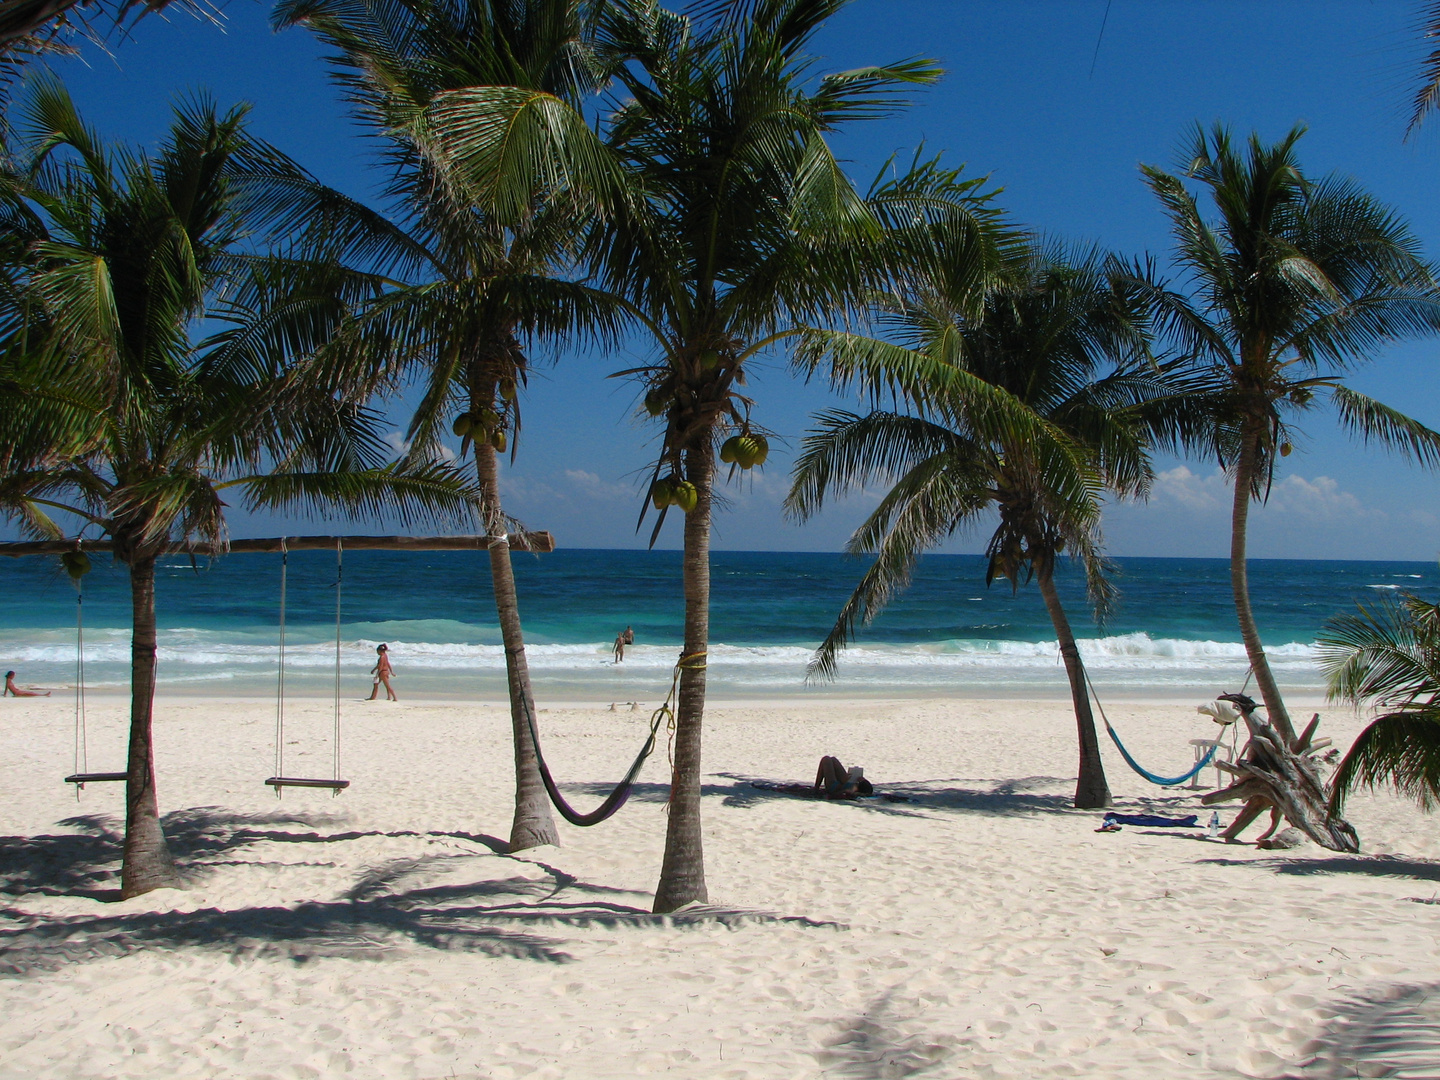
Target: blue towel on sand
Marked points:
1152	819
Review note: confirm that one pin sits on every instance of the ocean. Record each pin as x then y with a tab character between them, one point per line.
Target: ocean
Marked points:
1172	634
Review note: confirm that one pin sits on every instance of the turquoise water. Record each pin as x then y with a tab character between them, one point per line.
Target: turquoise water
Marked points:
1172	632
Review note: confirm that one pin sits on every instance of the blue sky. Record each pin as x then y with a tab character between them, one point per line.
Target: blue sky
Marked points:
1021	104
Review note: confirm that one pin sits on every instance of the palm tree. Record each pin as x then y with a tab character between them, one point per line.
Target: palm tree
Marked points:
1388	656
469	287
1295	282
1027	389
724	223
115	415
742	229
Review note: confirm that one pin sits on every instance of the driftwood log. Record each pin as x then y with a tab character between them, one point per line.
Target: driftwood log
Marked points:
541	542
1285	780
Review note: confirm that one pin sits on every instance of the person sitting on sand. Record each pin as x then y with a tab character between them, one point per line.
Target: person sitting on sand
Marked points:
834	781
12	689
383	674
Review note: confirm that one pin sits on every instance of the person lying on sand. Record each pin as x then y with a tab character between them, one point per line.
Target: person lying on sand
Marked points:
11	688
834	781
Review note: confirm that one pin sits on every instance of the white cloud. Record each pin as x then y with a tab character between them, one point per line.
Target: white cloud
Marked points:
591	486
754	488
572	488
523	489
399	445
1320	499
1182	486
1317	499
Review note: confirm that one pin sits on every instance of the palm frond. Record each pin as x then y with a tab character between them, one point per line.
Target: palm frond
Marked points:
924	507
507	148
431	494
1373	421
1427	94
846	452
1400	750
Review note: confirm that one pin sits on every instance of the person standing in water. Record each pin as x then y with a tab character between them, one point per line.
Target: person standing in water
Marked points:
625	637
383	673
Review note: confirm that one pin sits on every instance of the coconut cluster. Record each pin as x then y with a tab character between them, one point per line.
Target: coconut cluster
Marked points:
486	425
673	491
76	564
746	450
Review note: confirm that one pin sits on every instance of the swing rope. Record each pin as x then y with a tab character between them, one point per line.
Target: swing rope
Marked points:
665	714
82	774
82	750
280	685
280	781
1162	781
335	733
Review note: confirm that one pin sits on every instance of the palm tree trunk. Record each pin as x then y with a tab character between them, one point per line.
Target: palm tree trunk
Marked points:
1240	582
533	824
146	861
682	872
1091	790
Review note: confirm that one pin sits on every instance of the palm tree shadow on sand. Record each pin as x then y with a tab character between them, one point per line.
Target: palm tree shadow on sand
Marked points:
1001	798
478	902
1389	866
86	862
872	1046
1393	1033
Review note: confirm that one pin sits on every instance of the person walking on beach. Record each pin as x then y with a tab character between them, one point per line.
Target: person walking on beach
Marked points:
15	691
383	673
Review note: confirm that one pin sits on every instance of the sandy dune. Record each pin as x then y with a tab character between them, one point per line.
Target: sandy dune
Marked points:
981	929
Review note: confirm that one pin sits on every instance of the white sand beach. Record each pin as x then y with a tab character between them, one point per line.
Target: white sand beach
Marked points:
981	929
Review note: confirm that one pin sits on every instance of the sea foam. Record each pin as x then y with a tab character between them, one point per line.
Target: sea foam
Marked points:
192	656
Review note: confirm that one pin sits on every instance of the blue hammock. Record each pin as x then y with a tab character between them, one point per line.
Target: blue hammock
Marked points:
1163	781
1154	778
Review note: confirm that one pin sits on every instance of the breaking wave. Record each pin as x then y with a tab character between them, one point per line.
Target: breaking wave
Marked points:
194	656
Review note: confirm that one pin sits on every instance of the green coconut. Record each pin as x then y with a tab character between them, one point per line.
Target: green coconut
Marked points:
76	564
709	359
656	402
1286	449
507	389
727	449
498	439
751	450
463	425
662	492
489	419
685	495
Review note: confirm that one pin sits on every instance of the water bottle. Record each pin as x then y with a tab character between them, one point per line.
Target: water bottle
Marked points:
1213	829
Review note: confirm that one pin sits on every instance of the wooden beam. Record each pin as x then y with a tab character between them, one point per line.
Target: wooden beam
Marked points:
541	542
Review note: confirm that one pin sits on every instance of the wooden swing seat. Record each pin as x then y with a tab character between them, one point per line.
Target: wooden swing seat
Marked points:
95	777
301	781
